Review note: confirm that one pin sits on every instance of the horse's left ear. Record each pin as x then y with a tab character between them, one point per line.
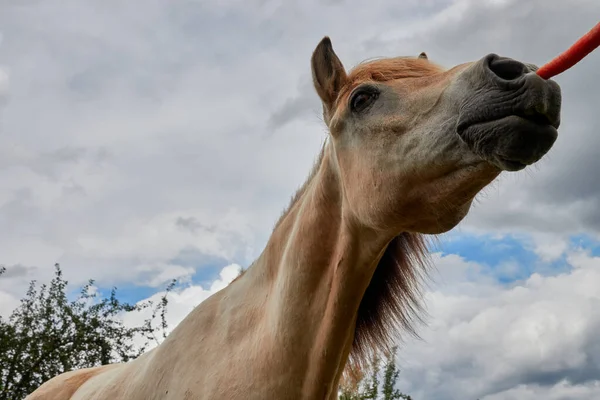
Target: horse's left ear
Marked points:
423	55
328	73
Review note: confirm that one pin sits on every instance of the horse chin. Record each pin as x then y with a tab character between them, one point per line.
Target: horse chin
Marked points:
510	143
446	223
445	202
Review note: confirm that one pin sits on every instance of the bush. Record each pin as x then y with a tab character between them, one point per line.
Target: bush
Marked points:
47	334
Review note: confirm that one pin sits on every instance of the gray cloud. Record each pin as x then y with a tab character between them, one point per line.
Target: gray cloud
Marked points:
189	223
17	271
306	104
4	81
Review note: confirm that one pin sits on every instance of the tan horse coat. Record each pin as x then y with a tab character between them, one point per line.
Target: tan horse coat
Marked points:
410	145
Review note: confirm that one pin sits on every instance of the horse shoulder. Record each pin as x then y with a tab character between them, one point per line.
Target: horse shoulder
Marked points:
63	386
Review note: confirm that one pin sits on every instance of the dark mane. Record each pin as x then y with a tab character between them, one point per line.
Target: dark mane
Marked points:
391	303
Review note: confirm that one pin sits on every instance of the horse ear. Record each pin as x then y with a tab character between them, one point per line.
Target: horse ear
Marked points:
328	72
423	55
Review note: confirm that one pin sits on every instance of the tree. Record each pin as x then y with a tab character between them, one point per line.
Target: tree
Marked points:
390	377
47	334
368	385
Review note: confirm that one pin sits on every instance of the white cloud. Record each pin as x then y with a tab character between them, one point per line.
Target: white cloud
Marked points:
165	273
162	236
183	300
487	339
7	304
3	83
549	247
561	391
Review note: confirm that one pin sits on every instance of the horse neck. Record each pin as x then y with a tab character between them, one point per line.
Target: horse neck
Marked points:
319	264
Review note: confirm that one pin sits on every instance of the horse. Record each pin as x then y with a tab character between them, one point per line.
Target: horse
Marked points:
409	146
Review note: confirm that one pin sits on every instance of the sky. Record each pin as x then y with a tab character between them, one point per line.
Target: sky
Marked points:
146	140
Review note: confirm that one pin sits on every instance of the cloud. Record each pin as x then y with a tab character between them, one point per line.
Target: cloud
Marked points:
4	79
147	118
17	271
304	104
133	130
184	298
3	84
7	304
561	391
491	341
160	274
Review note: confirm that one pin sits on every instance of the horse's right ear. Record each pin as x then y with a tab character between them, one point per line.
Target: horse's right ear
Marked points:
328	72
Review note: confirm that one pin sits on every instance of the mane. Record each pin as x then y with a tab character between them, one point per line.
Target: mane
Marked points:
391	304
386	69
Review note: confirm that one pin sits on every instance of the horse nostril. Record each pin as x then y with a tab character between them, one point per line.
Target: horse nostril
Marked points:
507	68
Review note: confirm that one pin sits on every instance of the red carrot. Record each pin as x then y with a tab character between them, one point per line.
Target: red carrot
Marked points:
584	46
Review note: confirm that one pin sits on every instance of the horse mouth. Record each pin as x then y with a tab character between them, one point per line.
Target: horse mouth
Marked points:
507	115
511	142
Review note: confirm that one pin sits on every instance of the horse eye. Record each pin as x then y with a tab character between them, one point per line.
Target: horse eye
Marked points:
361	100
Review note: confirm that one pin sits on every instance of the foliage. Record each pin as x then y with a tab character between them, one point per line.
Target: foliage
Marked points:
47	334
370	386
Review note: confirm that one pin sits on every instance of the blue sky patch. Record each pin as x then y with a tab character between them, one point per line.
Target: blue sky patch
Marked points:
586	242
507	258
